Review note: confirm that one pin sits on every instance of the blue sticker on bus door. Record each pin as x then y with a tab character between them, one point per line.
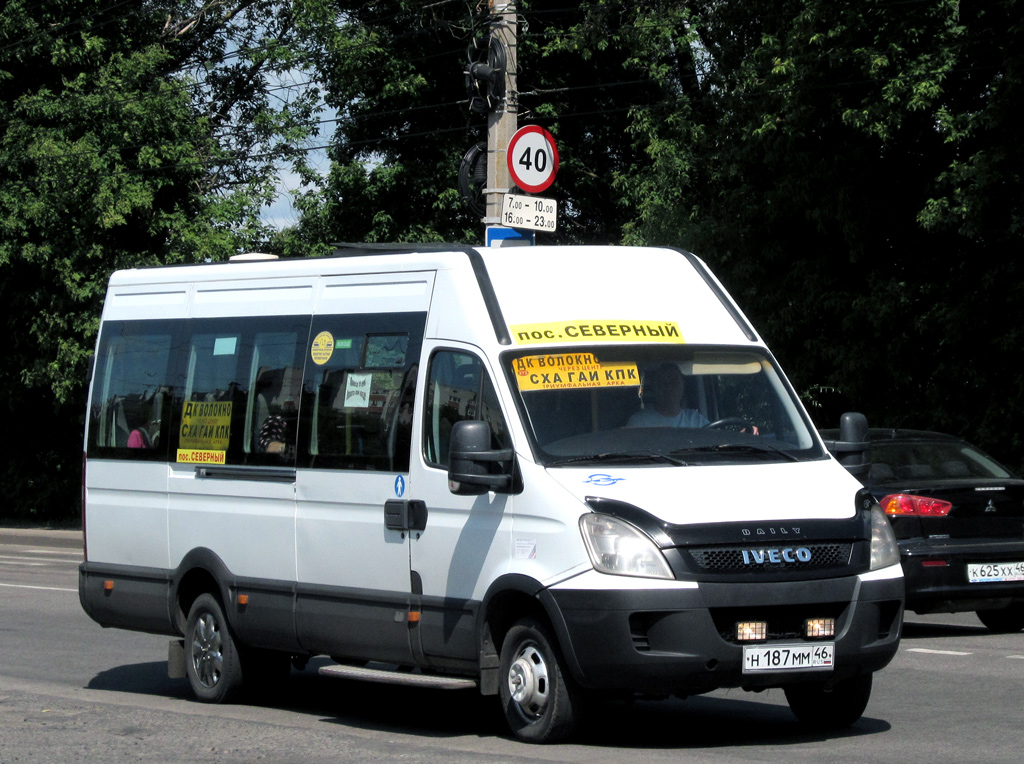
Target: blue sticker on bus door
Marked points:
399	486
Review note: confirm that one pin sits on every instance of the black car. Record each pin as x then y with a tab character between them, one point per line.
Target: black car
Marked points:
959	517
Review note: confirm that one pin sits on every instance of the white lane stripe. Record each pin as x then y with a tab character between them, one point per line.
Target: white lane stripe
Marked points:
35	556
44	588
936	652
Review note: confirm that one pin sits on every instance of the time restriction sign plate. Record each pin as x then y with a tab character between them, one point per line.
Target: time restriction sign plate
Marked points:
529	212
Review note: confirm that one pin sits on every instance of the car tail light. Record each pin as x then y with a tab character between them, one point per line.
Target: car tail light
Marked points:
920	506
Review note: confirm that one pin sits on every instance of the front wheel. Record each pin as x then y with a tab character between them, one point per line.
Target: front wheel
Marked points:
541	704
825	706
212	662
1007	620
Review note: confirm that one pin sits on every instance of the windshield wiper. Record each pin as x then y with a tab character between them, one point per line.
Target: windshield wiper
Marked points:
621	456
725	448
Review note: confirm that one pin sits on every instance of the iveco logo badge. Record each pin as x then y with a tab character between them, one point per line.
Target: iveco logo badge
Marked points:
776	556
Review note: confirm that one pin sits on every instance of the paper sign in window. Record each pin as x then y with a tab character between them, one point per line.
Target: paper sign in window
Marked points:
357	391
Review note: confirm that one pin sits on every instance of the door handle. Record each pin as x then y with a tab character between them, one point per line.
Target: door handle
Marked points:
405	514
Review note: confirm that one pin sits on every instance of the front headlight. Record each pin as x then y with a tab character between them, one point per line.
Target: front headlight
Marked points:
884	549
621	549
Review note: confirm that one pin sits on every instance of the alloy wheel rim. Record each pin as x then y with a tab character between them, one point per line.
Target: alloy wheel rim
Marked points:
207	656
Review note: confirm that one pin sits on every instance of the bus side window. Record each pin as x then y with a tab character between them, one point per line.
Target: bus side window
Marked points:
130	391
363	391
275	379
458	388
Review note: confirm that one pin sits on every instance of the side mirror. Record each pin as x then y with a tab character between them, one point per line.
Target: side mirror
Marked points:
470	458
852	446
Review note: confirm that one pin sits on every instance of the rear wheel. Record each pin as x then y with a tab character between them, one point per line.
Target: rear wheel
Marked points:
541	704
1007	620
820	705
211	661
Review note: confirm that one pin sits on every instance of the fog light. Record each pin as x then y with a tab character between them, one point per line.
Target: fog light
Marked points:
749	631
820	627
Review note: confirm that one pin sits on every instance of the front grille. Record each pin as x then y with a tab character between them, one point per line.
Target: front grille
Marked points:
730	559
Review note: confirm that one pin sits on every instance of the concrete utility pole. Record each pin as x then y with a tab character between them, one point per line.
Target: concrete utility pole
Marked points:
502	123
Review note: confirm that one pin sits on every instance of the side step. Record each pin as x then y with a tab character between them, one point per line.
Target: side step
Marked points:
394	676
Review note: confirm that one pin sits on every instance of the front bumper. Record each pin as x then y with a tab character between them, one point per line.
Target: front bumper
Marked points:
680	640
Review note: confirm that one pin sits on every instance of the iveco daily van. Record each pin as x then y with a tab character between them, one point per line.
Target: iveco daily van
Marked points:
550	474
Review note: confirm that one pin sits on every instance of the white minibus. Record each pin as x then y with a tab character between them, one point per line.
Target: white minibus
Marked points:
547	474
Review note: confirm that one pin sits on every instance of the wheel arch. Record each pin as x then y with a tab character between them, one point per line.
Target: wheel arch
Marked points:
201	571
509	599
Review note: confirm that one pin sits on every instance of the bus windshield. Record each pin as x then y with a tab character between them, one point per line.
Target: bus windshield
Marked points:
655	405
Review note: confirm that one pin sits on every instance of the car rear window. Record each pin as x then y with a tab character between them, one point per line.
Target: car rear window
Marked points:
922	460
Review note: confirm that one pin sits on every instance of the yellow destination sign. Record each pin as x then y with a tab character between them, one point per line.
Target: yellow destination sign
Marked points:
572	370
596	331
205	425
196	456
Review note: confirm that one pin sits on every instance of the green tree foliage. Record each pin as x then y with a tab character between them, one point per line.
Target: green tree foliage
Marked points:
394	71
852	171
393	76
130	134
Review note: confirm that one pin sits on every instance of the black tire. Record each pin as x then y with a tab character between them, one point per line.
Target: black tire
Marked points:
212	662
822	707
1007	620
542	704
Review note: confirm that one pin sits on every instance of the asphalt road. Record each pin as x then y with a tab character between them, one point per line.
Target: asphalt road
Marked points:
71	691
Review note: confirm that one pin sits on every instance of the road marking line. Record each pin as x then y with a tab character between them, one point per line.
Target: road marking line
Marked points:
936	652
44	588
1017	657
65	552
28	560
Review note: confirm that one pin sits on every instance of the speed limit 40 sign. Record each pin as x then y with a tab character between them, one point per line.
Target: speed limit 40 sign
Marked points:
532	159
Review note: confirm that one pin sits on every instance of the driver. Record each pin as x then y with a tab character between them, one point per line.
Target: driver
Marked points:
662	396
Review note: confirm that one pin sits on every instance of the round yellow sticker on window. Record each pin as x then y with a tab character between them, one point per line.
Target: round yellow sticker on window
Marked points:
323	348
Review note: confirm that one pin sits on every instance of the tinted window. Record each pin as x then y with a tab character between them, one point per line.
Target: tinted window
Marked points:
183	390
239	392
931	460
459	389
361	385
131	391
658	404
275	378
216	391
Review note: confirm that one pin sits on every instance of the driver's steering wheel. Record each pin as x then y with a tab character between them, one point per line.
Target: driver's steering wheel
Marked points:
731	421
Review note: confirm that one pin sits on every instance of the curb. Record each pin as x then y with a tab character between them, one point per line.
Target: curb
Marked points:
41	537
